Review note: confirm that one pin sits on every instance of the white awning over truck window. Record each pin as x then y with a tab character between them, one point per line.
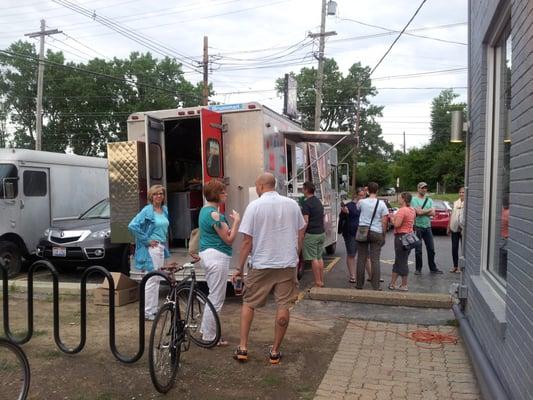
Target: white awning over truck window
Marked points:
319	136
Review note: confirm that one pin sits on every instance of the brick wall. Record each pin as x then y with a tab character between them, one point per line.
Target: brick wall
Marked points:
503	324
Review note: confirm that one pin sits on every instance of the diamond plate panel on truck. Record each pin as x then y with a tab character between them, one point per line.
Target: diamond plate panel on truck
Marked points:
127	186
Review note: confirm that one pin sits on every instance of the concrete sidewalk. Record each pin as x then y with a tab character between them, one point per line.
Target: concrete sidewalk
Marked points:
374	362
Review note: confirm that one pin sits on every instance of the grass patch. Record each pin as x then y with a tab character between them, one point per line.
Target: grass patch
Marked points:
305	392
271	380
451	197
49	354
452	322
98	396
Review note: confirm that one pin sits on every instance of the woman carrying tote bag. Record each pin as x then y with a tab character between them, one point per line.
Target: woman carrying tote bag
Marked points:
372	227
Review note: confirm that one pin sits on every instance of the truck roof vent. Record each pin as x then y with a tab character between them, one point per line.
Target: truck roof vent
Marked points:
251	106
190	112
181	112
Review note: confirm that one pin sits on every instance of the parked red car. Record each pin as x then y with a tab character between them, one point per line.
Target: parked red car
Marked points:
441	219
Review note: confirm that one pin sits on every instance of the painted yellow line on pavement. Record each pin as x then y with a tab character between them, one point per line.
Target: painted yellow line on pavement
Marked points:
331	264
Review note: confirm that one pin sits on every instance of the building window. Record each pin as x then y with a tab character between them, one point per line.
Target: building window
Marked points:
499	157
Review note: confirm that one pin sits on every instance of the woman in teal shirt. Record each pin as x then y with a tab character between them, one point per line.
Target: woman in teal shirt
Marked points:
150	228
216	237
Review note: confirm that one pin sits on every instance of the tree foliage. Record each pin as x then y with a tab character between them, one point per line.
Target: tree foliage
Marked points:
86	105
340	101
440	161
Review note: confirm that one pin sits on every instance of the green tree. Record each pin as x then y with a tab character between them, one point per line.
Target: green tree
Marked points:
340	100
86	105
440	161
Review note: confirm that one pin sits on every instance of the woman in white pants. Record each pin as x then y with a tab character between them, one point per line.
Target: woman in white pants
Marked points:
150	228
216	237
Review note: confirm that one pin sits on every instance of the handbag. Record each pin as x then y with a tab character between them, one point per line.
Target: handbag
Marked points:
343	220
362	231
410	241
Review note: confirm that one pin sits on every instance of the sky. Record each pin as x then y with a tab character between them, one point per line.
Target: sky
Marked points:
254	42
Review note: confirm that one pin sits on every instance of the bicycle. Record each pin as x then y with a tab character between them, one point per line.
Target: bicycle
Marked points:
175	325
14	371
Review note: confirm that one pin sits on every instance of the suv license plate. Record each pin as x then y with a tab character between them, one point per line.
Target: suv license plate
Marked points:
59	252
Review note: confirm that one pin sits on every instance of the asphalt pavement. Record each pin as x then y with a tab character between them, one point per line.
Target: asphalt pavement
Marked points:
337	276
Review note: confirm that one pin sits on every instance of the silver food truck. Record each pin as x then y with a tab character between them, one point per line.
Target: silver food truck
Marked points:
38	188
183	148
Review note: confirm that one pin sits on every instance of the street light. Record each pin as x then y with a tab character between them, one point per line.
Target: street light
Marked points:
332	7
458	126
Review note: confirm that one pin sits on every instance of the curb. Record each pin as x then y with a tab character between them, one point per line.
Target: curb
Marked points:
423	300
65	288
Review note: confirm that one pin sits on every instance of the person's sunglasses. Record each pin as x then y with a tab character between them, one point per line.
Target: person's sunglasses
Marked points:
159	194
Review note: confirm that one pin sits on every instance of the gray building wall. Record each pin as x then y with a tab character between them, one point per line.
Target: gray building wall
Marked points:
503	322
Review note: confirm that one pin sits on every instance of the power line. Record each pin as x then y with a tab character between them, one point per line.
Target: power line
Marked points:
397	38
405	33
132	34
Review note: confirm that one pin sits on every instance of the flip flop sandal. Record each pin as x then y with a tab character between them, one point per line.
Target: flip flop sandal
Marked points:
222	342
274	358
240	355
392	287
352	280
403	289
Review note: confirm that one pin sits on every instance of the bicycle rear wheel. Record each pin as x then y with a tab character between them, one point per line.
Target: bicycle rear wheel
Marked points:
164	349
14	371
200	305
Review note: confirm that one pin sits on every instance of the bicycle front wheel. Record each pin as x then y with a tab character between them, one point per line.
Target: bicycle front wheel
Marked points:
14	371
201	311
165	348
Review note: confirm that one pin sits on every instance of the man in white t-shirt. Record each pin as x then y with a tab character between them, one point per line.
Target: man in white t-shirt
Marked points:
273	229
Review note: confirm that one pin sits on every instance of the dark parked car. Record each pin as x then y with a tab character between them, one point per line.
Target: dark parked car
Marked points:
443	210
84	241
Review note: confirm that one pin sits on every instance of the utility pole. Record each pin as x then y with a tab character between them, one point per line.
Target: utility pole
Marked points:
403	142
320	73
39	113
205	92
357	130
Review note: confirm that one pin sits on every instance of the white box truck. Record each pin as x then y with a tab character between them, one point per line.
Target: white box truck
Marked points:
186	147
38	188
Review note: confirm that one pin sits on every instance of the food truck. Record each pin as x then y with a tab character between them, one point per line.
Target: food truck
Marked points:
183	148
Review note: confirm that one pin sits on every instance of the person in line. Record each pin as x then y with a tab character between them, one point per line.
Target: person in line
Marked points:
403	223
455	228
216	237
350	214
423	205
376	236
149	228
273	230
315	236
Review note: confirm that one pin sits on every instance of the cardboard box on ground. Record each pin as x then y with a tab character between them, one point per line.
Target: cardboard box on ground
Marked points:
126	291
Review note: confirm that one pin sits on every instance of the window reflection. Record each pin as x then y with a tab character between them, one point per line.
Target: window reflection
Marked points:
501	157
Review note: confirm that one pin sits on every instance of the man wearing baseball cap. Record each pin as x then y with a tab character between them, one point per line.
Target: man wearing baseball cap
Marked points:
423	205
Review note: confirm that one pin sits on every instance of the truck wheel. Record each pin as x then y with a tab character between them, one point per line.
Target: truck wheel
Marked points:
10	253
331	248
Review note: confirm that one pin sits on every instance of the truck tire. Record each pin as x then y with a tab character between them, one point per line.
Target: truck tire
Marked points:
331	248
10	253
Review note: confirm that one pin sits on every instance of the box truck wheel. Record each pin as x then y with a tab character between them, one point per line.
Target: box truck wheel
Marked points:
331	248
10	253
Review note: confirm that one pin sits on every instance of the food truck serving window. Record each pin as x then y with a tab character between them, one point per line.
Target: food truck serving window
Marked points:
8	177
213	158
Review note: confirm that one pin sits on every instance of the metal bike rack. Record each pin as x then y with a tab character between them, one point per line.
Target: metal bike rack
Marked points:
42	264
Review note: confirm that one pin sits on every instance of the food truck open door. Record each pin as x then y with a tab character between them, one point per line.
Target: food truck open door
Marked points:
155	152
212	164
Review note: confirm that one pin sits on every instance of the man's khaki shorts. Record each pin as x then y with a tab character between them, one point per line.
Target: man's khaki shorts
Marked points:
259	283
